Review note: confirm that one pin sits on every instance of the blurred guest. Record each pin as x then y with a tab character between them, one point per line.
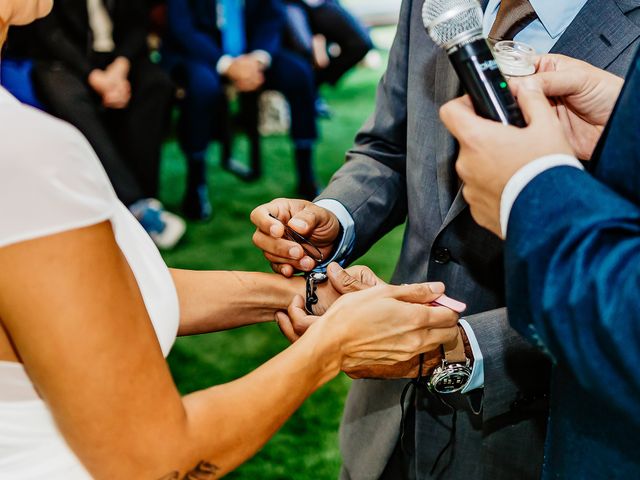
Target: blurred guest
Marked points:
96	74
315	24
572	251
230	41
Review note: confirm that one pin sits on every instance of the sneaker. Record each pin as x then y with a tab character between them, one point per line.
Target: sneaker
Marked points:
164	228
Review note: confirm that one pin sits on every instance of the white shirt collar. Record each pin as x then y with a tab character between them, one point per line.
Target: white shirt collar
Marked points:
557	15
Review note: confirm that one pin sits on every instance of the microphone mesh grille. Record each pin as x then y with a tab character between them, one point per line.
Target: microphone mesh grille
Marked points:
446	20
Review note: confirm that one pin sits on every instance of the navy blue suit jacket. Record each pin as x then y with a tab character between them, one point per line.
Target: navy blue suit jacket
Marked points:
194	32
573	286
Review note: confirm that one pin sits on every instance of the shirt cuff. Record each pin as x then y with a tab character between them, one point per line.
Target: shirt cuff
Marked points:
477	371
524	176
263	57
348	230
223	64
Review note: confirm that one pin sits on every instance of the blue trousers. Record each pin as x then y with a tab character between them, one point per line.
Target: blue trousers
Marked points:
289	74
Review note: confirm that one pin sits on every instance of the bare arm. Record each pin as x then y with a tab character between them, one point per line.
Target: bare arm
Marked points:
214	301
74	313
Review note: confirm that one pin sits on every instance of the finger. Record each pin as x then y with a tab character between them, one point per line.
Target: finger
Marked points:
286	327
262	217
310	218
278	247
342	281
420	293
534	104
300	319
283	269
305	264
461	119
365	275
429	316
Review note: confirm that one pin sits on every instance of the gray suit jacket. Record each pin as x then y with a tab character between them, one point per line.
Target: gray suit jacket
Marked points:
402	168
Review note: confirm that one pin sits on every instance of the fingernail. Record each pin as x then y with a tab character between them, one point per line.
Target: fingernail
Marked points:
295	222
437	287
334	268
295	252
274	230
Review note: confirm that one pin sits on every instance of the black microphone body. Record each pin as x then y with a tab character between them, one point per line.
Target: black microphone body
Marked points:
482	80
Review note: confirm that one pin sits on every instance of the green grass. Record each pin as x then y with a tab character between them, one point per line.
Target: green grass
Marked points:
307	446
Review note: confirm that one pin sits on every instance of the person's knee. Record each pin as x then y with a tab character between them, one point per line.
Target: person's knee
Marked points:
295	77
203	85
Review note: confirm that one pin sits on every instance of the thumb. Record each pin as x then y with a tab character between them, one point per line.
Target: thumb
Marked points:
342	281
310	220
534	103
422	293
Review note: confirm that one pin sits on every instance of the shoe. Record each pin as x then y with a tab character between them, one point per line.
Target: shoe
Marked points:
165	228
196	204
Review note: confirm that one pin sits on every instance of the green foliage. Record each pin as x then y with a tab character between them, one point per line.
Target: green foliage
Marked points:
307	446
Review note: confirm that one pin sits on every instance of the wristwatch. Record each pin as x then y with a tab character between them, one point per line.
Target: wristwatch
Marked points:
455	371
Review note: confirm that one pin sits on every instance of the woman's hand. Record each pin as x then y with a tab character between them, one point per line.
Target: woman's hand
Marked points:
383	325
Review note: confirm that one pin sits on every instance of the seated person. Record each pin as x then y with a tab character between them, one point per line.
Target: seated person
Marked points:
239	42
89	310
315	24
95	73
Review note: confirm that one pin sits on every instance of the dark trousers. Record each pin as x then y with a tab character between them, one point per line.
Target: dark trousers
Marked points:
338	26
289	73
127	141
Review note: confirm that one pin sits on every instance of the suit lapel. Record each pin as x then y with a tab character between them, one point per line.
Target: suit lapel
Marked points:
605	22
447	86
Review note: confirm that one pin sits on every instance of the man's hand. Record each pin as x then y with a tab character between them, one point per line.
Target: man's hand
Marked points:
112	84
491	153
317	224
340	282
583	97
381	326
246	73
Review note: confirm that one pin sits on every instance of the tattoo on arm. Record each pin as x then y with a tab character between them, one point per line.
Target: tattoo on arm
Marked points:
202	471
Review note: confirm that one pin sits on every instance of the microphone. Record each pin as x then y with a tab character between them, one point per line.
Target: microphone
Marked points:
456	26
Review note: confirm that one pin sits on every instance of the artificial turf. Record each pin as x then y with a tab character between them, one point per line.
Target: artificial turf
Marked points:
307	446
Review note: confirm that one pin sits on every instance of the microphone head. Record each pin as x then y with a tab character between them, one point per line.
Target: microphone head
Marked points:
451	22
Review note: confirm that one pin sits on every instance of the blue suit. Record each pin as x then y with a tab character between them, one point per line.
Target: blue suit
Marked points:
573	286
193	47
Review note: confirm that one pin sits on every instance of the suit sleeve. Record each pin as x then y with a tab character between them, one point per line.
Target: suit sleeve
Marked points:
372	183
573	277
182	27
265	29
59	46
131	30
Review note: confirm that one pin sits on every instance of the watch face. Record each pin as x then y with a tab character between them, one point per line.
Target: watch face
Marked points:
450	379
